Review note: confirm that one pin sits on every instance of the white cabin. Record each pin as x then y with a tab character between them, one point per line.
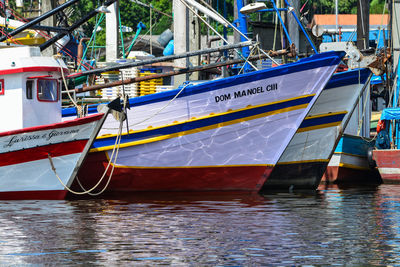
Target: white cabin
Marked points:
30	88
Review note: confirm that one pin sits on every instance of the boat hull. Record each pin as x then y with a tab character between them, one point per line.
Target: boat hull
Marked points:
349	163
27	155
212	178
388	164
223	135
306	158
304	176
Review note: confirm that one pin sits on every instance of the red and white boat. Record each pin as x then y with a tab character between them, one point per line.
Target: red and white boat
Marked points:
387	158
39	153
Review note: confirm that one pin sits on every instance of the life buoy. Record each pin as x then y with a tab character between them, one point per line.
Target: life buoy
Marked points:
380	126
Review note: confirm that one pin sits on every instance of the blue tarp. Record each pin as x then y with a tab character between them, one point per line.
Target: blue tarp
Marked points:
390	114
373	36
377	79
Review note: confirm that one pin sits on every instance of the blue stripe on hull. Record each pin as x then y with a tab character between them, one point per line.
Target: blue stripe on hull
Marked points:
313	62
190	125
322	120
353	145
348	77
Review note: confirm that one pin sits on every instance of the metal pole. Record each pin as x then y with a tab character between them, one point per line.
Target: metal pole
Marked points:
301	27
160	59
243	29
151	30
282	23
337	17
166	74
38	19
72	27
362	24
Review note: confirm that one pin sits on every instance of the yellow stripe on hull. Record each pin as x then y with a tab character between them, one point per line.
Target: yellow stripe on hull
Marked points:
208	116
303	161
350	166
348	154
201	129
317	127
187	167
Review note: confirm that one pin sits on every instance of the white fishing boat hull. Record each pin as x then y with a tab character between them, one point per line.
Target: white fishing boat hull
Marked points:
306	158
349	163
223	135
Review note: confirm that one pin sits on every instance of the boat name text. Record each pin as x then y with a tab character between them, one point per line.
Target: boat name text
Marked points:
47	136
248	92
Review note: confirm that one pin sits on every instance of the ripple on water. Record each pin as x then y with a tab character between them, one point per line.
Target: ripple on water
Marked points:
330	227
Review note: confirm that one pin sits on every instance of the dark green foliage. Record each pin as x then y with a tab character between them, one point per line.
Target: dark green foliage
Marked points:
345	7
131	14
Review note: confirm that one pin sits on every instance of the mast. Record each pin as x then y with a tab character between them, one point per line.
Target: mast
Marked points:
362	24
181	38
112	33
293	25
396	69
243	28
48	5
337	19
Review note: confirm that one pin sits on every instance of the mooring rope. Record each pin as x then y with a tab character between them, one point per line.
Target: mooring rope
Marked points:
118	140
247	59
116	147
119	136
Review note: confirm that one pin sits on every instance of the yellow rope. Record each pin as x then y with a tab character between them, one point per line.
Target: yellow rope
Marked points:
118	140
78	108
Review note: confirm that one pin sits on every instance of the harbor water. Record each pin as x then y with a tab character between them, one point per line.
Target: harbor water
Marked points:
333	226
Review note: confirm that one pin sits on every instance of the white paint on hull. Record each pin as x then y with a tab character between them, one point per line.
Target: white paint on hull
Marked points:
37	175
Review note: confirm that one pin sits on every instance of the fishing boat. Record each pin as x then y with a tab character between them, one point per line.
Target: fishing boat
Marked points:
387	146
306	158
39	153
386	156
350	162
222	135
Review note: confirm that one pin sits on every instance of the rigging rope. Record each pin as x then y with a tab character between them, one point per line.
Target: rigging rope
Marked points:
155	114
45	35
380	29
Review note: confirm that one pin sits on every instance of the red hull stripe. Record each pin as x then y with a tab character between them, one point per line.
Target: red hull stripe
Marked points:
37	153
59	125
37	195
32	69
388	158
390	178
235	178
343	175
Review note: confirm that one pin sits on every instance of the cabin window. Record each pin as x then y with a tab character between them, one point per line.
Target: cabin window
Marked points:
29	89
1	86
47	90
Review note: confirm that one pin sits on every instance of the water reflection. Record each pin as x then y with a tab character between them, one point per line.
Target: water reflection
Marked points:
352	226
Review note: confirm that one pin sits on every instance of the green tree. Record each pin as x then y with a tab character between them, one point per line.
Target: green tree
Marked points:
376	7
345	6
131	14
